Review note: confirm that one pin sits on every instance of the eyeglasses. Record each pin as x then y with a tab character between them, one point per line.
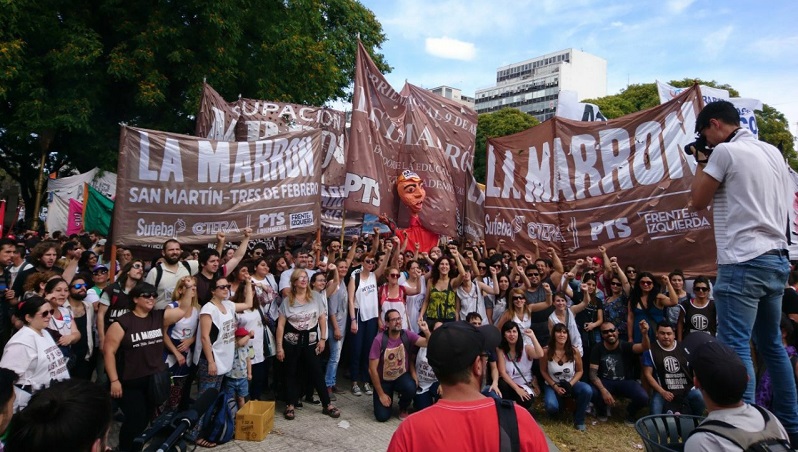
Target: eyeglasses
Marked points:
47	313
148	295
225	286
395	319
518	297
137	266
99	272
80	286
616	284
701	289
394	275
646	283
608	331
369	261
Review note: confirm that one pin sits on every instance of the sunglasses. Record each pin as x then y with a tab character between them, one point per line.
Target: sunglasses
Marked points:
100	272
518	297
631	271
80	286
394	275
608	331
482	267
369	261
530	275
47	313
223	286
701	289
616	284
646	283
148	295
137	266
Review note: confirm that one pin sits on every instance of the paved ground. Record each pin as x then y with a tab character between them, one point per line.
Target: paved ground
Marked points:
355	430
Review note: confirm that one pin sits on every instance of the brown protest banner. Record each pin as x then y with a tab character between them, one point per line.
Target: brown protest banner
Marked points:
474	214
189	188
624	184
255	119
414	131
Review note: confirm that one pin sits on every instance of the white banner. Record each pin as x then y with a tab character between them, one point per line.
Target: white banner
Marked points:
569	107
61	190
745	106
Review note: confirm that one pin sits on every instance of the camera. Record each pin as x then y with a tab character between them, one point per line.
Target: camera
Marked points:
699	145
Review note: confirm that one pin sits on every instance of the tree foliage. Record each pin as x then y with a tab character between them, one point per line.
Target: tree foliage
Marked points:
506	121
773	125
71	72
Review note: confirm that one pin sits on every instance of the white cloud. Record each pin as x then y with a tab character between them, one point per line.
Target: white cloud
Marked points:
715	42
677	6
450	48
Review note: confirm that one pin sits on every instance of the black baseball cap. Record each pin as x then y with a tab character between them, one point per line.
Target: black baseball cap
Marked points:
719	369
455	345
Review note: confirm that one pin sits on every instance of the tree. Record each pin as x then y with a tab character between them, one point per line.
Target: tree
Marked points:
73	71
773	125
506	121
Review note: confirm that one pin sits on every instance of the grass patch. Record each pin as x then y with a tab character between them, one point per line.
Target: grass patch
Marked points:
600	436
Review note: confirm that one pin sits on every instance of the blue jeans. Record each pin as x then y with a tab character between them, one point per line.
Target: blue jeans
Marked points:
426	399
335	357
582	393
405	386
359	364
694	400
630	389
748	302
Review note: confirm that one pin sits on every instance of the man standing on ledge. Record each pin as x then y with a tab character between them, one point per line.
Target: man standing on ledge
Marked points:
455	353
747	182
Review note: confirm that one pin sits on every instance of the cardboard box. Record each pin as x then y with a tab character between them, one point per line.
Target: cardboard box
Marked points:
254	421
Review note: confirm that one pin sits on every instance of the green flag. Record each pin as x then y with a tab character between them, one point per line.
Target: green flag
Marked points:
98	212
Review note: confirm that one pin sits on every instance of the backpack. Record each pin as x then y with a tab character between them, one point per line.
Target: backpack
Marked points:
219	422
769	439
159	272
509	440
405	342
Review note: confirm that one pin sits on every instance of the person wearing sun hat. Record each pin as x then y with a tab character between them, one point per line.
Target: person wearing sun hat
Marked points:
410	189
455	352
722	378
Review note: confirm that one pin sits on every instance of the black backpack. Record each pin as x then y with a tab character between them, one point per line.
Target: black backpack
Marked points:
405	341
159	272
769	439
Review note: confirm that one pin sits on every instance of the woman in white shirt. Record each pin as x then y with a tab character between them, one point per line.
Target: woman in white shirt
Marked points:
32	353
179	341
515	364
62	326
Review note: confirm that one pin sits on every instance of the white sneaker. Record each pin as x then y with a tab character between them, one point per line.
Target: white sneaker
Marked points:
367	389
604	416
356	390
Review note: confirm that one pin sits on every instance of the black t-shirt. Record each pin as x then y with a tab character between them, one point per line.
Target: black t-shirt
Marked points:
19	283
613	364
141	350
789	304
204	284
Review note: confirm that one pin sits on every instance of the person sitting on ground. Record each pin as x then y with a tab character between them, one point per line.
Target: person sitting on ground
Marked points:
71	415
611	364
389	365
515	365
666	371
722	378
455	353
561	373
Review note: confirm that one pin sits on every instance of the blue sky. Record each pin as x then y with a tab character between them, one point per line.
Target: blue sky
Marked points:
752	46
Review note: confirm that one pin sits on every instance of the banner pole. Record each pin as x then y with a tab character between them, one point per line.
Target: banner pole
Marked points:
112	265
318	240
85	201
343	229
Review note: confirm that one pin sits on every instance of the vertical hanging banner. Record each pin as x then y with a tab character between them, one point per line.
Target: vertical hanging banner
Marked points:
474	214
408	155
255	119
75	217
178	186
624	184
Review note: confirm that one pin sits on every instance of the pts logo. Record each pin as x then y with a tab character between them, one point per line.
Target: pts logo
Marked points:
613	228
270	220
371	189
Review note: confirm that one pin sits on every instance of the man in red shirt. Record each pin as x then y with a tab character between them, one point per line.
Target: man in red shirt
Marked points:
455	353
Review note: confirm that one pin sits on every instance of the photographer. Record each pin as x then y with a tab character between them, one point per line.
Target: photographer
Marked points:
747	182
